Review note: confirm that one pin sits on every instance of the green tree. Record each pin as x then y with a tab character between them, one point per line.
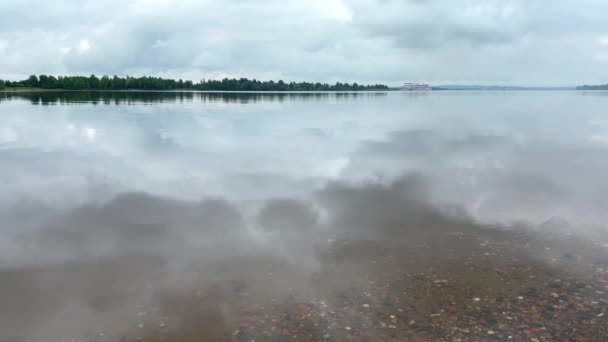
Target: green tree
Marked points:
93	82
157	83
32	81
105	83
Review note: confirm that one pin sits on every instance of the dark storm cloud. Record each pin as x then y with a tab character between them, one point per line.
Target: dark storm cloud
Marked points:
353	40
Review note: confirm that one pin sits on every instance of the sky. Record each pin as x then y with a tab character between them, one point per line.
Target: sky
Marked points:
508	42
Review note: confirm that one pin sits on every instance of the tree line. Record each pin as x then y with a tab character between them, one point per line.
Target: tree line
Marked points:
138	97
593	87
156	83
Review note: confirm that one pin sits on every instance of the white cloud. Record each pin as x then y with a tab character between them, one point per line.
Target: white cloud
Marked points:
84	46
603	57
333	9
90	133
389	41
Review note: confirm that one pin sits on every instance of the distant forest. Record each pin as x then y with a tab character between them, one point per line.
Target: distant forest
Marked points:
593	87
155	83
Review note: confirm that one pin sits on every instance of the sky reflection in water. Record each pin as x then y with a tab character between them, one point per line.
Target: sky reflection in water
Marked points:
502	155
105	194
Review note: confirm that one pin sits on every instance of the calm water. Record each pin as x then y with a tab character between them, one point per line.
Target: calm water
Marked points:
150	214
501	155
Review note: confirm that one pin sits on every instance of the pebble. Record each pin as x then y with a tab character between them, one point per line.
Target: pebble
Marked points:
542	309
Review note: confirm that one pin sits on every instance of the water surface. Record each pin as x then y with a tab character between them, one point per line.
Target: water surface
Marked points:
328	216
503	155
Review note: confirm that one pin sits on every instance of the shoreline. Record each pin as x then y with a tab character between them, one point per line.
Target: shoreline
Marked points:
391	90
42	90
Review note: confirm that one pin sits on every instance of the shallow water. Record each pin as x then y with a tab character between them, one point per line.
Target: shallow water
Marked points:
502	155
180	211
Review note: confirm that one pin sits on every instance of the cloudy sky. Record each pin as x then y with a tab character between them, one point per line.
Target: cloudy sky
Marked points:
528	42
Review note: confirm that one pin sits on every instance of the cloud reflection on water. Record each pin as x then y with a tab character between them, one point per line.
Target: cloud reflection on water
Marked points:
217	194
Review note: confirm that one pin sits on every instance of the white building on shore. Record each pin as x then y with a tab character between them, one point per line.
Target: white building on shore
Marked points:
416	87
